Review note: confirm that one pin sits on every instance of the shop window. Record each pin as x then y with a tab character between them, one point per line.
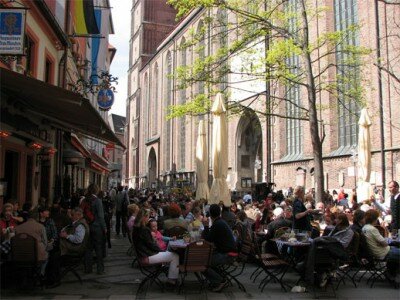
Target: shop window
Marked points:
30	47
48	75
11	174
246	182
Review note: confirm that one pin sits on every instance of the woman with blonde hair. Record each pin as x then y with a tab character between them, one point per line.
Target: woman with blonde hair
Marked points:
133	209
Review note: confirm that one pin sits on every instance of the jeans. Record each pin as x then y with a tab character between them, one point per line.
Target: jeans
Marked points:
217	259
167	257
393	261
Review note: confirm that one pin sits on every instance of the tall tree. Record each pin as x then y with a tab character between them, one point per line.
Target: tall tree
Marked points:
272	45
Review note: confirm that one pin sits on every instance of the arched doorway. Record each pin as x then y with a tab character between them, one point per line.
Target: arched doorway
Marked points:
152	165
249	151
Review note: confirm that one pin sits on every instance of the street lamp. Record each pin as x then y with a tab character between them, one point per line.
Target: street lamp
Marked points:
354	159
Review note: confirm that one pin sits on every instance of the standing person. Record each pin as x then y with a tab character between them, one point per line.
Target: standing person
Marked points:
301	220
108	212
395	204
97	229
121	209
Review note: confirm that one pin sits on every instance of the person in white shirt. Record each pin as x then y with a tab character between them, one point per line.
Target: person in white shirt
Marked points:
74	237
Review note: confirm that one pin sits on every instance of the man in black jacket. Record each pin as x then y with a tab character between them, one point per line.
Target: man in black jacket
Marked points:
395	204
221	235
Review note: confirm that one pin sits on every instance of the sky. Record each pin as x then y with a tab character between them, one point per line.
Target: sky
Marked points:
121	14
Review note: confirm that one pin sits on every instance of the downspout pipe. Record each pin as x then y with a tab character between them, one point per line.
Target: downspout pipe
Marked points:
380	96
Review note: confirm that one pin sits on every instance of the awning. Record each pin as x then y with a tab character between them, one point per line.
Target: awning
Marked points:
98	163
60	106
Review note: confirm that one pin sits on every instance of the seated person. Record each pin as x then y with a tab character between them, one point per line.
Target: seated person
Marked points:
36	230
74	237
7	222
147	249
220	234
242	228
197	223
282	218
158	237
358	221
378	246
133	209
174	214
342	231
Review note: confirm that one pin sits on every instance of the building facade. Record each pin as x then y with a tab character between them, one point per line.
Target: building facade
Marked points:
151	21
52	133
115	153
257	144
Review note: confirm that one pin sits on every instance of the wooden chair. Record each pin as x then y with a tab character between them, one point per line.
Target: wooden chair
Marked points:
177	231
197	260
24	258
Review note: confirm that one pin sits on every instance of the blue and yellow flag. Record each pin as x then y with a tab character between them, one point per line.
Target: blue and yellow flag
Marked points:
85	20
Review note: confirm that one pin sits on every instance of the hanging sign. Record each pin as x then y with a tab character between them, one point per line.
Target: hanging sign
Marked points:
12	31
105	99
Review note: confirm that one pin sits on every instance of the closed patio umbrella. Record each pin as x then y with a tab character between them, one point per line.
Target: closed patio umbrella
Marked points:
202	190
364	157
364	147
219	189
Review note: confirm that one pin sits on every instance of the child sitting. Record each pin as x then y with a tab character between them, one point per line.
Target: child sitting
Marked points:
158	237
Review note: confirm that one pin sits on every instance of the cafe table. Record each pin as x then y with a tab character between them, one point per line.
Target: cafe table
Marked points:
395	242
294	247
177	244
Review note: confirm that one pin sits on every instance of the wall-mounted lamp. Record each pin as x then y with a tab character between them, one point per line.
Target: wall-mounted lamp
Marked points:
4	134
50	151
35	146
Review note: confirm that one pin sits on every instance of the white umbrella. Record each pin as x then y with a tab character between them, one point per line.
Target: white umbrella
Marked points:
364	147
219	189
202	191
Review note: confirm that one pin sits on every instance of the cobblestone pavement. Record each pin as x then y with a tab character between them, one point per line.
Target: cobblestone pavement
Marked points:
120	282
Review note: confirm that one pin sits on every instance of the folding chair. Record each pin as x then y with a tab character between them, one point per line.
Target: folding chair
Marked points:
376	268
24	258
69	263
197	260
351	263
234	269
259	257
324	263
270	264
150	271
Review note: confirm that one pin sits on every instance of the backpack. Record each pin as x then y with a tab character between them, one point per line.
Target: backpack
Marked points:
86	206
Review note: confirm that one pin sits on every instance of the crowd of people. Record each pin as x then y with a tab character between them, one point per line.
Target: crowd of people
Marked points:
82	225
